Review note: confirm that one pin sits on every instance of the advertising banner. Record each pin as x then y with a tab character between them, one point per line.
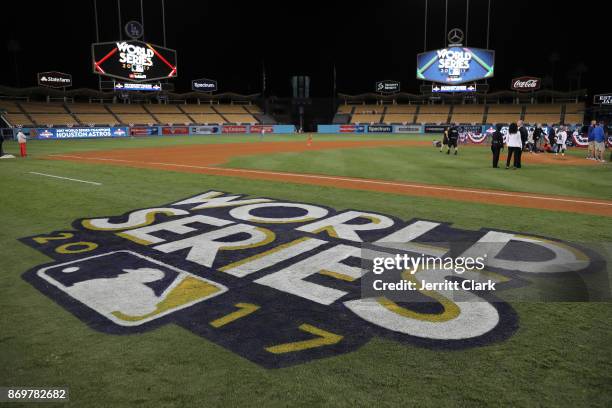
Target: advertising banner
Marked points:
352	129
259	128
144	131
388	86
78	133
455	65
453	88
205	130
380	129
235	129
434	129
407	129
526	84
204	85
127	86
133	60
54	79
175	130
602	99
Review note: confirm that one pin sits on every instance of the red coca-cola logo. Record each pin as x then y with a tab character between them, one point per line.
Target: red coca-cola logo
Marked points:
526	84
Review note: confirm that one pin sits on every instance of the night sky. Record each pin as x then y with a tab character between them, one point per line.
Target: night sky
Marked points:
231	40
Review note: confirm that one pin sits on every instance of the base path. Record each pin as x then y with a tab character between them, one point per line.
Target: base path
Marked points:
203	159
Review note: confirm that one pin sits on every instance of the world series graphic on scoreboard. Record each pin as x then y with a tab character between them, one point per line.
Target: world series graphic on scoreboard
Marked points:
455	65
279	282
134	61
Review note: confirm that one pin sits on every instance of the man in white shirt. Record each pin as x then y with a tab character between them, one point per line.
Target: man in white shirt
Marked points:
21	138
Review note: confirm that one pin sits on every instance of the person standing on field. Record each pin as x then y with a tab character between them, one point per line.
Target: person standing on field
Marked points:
524	136
497	144
599	139
444	139
561	140
21	139
591	140
515	145
453	138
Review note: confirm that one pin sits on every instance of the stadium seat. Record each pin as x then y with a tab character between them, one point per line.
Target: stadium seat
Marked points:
87	108
401	109
574	119
41	107
345	108
58	119
240	118
253	109
163	109
468	113
101	119
505	118
398	118
17	119
127	118
202	118
198	108
543	108
224	108
366	118
125	108
369	109
433	114
174	118
9	106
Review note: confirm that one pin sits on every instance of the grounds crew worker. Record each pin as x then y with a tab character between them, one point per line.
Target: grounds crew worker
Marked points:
453	138
21	138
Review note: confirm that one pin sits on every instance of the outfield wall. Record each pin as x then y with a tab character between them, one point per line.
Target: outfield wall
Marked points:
144	131
379	128
476	134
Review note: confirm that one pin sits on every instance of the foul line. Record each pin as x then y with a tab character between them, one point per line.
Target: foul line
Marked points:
349	179
65	178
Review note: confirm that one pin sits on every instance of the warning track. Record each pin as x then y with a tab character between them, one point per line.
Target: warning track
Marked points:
204	159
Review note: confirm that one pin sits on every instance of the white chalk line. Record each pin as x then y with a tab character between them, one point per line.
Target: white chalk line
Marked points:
352	180
65	178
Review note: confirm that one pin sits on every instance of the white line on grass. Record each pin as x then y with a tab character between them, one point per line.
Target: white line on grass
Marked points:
356	180
66	178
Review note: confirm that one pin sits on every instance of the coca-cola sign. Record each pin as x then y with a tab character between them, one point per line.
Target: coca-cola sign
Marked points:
526	84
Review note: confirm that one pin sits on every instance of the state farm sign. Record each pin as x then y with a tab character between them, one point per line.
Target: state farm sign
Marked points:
526	84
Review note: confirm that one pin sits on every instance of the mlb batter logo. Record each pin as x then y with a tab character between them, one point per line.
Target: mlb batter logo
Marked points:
129	289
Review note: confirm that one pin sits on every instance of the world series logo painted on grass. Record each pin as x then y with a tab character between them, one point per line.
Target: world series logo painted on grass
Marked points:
276	282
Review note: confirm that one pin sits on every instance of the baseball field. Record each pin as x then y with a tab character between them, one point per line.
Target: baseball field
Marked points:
246	343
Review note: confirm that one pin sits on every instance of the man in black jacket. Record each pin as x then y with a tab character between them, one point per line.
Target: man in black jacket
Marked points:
497	144
453	138
537	137
524	136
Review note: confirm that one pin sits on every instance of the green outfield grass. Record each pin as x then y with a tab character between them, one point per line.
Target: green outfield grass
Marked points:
471	168
560	356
